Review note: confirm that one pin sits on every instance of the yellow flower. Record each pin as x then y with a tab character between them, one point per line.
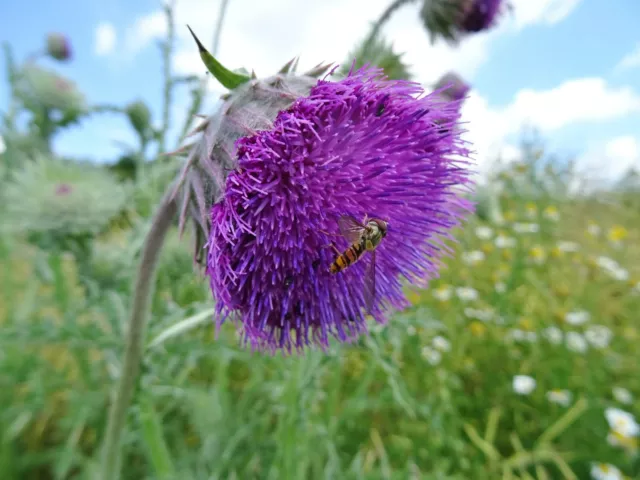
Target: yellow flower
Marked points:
526	324
561	291
537	254
413	296
477	328
551	213
487	248
617	233
507	255
509	216
556	252
532	209
630	333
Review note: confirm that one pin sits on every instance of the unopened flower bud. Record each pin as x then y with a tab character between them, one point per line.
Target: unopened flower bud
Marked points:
58	46
139	117
456	89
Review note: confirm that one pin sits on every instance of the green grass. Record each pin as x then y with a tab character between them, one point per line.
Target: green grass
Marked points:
383	408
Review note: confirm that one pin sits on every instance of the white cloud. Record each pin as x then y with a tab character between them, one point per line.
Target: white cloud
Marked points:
145	29
625	148
630	60
605	162
546	12
105	39
574	101
264	35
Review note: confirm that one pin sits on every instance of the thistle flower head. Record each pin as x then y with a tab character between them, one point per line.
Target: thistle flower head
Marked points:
58	46
40	87
452	19
364	146
453	87
479	15
53	195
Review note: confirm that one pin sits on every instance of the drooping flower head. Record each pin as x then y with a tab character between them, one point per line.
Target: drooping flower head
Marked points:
479	15
451	20
360	146
453	87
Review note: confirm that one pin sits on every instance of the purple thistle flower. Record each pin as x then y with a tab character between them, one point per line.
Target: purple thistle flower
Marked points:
63	189
480	15
360	146
453	86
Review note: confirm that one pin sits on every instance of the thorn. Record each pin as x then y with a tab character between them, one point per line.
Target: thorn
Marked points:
288	67
198	42
200	115
318	70
177	151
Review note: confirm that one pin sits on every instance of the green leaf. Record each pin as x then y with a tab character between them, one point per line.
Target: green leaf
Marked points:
225	76
154	440
182	327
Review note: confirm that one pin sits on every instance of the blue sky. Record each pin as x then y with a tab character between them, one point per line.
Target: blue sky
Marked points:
569	67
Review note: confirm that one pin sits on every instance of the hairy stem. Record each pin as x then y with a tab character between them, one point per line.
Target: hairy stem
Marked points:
384	18
142	292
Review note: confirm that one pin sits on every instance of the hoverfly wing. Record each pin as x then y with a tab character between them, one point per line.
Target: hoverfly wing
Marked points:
350	228
370	283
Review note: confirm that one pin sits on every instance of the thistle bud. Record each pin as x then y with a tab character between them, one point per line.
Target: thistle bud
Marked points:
452	86
53	195
139	117
283	162
378	53
58	47
47	89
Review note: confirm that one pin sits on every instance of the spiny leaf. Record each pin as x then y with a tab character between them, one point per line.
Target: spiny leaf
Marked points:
225	76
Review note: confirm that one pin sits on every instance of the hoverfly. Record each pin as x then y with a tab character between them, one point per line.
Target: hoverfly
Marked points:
363	236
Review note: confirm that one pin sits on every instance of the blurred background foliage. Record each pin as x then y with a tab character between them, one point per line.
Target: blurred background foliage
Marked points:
545	284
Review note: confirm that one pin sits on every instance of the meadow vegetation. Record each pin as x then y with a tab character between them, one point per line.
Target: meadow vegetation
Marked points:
519	362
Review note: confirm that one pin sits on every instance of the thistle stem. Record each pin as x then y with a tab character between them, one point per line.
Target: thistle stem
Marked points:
384	18
167	52
142	292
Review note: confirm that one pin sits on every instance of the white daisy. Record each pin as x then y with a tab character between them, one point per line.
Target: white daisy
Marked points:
605	471
467	294
526	227
577	317
523	384
568	246
431	355
441	343
622	422
473	258
484	233
598	335
561	397
576	342
553	335
622	395
505	242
